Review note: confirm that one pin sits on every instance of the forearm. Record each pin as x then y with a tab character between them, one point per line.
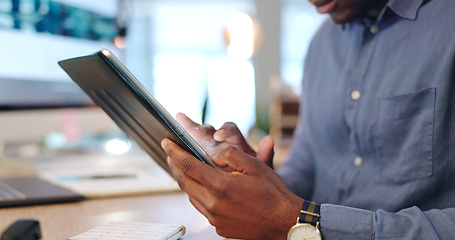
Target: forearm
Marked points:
338	222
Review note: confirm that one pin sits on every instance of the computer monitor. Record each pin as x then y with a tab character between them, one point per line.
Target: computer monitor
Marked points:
36	96
29	74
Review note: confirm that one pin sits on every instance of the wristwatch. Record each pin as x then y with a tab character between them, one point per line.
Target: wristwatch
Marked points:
307	226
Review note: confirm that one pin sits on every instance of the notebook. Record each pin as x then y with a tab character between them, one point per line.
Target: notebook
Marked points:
98	176
20	191
133	230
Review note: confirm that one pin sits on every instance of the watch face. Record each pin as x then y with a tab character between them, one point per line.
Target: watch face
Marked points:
304	231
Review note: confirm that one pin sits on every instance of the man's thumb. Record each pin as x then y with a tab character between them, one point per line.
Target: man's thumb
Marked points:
265	150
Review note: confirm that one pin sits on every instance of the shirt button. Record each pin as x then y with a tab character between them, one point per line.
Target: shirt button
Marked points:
355	95
358	161
374	29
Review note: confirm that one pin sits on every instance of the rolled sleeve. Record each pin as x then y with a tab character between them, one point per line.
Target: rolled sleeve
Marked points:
339	222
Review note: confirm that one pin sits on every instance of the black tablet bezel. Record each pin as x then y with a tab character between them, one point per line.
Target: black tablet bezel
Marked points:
103	77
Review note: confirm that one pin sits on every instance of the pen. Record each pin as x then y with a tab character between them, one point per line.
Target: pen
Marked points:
72	178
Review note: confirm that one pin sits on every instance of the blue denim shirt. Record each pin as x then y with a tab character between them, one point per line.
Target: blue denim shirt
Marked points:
375	144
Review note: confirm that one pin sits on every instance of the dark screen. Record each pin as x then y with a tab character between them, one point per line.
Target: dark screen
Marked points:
31	94
34	36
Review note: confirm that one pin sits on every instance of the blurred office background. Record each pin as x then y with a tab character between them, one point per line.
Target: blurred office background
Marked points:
210	59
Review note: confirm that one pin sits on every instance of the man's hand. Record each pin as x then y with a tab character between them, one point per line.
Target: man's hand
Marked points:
251	202
213	140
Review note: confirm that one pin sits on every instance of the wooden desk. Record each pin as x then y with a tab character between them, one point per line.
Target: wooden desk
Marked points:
61	221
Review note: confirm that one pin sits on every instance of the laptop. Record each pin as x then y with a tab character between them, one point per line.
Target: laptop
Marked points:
21	191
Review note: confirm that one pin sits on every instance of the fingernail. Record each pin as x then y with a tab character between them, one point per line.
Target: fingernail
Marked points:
164	144
216	155
219	135
221	132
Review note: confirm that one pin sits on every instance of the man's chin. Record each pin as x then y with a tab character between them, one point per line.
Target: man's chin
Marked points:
343	17
344	14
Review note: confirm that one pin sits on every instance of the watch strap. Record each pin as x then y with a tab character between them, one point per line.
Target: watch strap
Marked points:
310	213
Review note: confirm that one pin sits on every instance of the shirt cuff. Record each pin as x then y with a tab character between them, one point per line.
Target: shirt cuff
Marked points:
339	222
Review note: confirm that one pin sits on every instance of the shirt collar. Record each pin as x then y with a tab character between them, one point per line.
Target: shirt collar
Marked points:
407	9
404	8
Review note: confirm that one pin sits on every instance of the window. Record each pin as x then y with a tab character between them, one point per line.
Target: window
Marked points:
181	47
300	21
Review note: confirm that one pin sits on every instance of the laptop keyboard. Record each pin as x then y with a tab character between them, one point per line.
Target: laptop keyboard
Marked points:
9	193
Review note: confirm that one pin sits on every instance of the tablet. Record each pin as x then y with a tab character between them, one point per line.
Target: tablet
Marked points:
113	88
